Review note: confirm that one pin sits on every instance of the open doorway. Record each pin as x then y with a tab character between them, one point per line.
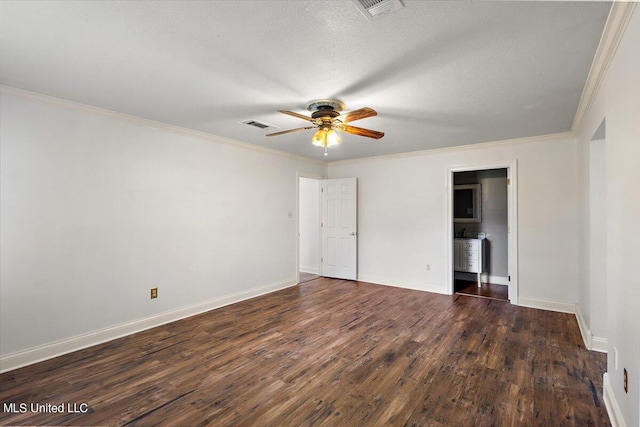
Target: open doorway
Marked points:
309	244
327	228
482	230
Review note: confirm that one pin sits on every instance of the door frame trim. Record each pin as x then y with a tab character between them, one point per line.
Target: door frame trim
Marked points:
512	222
310	175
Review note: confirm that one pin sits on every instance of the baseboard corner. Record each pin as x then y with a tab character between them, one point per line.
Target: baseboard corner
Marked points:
599	344
584	329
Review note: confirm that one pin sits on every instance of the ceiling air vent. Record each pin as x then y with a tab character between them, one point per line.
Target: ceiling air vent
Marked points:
259	125
374	9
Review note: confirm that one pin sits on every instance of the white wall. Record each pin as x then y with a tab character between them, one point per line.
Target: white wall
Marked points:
98	208
310	225
583	309
597	239
402	215
618	100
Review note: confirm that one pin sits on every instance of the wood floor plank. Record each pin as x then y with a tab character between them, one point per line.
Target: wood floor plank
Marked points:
330	353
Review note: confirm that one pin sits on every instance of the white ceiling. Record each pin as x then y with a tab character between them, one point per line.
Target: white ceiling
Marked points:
439	73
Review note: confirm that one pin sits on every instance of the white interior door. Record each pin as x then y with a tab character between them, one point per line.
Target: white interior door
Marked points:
339	228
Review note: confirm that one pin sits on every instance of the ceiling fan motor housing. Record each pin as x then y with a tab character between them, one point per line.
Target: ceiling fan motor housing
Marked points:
324	111
325	105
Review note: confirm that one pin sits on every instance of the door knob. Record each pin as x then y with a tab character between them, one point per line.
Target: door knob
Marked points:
353	233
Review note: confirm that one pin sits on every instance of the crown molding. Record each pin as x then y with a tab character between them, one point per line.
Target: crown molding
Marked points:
614	28
465	147
77	106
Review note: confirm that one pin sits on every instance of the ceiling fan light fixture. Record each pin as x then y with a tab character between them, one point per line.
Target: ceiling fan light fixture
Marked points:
325	137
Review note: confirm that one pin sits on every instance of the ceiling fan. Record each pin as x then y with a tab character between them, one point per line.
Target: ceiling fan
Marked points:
326	117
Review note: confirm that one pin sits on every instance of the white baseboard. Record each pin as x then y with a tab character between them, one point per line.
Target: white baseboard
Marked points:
496	280
592	343
484	277
33	355
402	284
562	307
613	409
600	344
310	270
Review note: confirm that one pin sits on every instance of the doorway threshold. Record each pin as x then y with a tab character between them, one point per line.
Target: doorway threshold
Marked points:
487	290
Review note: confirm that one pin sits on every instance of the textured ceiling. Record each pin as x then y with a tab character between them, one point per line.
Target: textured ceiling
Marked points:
438	73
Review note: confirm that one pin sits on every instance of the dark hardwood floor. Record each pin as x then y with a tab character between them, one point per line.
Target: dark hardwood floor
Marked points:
330	353
487	290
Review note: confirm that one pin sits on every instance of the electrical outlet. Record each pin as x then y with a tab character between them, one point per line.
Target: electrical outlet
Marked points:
428	267
626	381
154	293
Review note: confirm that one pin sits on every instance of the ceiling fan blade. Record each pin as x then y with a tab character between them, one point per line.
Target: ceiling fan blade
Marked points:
300	116
362	113
360	131
289	131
